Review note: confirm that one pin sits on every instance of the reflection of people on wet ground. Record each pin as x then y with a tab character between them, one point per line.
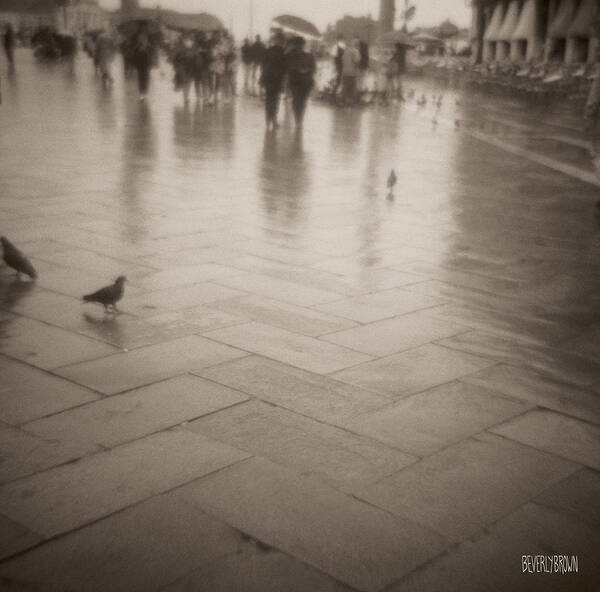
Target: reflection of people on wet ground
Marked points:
104	53
217	65
363	65
142	54
301	72
246	52
184	63
229	87
338	63
273	74
9	46
395	70
257	56
350	71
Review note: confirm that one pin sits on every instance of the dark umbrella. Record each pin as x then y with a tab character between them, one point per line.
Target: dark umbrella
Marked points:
131	27
447	29
394	37
191	22
297	25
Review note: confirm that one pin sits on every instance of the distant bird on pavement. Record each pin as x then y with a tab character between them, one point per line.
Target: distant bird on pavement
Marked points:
15	259
392	180
110	295
391	183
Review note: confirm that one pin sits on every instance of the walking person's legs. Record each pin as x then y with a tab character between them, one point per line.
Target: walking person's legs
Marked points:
143	80
272	92
299	101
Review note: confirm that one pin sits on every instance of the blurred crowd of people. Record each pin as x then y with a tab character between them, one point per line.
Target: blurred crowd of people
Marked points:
207	62
362	78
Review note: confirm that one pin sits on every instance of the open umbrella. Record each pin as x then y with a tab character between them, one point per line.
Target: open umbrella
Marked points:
447	30
296	25
394	37
426	38
191	22
131	27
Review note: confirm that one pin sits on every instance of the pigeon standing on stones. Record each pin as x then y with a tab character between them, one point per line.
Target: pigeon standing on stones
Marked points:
391	183
392	180
15	259
110	295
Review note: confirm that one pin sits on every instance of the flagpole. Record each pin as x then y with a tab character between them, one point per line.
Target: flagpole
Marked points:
251	18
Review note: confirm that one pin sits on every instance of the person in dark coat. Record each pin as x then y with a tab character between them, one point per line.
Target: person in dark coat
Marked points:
338	62
142	55
9	46
257	54
363	65
246	52
301	77
273	73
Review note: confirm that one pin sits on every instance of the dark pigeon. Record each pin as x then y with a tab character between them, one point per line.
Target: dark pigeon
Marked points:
110	295
15	259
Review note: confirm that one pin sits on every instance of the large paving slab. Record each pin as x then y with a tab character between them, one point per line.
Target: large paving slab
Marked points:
15	538
298	350
130	332
465	487
541	390
382	305
383	338
185	275
565	436
191	256
493	561
27	393
257	569
561	365
86	260
285	316
344	460
304	392
45	346
534	328
121	372
24	454
141	549
50	307
137	413
578	494
72	495
284	290
413	371
425	423
180	297
352	541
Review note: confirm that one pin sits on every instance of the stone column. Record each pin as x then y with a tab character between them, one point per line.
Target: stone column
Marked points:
387	16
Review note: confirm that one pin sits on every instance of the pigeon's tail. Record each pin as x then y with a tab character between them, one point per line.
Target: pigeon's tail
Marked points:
88	298
28	269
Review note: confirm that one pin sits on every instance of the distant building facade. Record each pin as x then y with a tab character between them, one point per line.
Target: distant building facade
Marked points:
129	8
74	18
534	30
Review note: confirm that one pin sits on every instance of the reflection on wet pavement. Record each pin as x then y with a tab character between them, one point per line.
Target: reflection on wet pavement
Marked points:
276	290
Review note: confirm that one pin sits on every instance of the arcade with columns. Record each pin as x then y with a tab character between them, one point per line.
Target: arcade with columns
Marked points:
534	30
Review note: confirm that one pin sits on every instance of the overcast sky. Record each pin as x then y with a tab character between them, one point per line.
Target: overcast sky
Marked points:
320	12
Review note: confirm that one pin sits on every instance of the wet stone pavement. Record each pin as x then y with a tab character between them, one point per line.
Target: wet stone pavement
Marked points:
312	386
